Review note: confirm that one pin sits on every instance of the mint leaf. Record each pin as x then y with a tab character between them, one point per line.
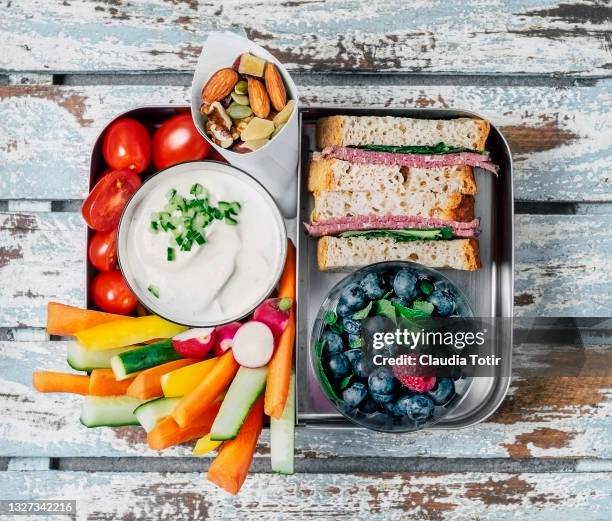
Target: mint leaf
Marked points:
424	306
327	387
330	318
385	308
403	311
345	382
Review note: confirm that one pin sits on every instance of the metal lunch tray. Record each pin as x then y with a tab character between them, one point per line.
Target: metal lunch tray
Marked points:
489	290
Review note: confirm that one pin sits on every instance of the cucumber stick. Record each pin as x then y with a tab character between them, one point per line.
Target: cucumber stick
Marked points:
150	413
83	359
126	364
248	384
109	411
282	433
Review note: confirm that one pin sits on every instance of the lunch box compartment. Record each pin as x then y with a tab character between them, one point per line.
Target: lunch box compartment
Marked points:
488	290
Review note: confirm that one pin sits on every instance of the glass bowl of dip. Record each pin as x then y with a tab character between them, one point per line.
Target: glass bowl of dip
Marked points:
354	372
201	243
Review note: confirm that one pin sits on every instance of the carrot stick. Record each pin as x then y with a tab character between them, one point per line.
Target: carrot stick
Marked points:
102	382
286	284
54	382
66	320
168	433
214	383
279	368
148	383
230	467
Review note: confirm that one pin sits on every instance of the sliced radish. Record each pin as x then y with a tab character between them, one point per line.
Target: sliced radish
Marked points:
274	313
225	337
194	343
253	344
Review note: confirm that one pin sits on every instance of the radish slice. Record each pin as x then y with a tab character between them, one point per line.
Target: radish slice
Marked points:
194	343
253	345
225	337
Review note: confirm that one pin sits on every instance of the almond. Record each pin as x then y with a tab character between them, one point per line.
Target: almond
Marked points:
276	87
220	84
260	102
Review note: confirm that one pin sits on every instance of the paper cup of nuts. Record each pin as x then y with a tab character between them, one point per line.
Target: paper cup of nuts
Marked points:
244	103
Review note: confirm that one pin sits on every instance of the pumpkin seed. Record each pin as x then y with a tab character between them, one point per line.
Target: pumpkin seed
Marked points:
236	111
241	87
241	99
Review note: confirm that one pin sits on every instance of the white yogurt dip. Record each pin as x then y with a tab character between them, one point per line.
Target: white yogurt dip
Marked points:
219	281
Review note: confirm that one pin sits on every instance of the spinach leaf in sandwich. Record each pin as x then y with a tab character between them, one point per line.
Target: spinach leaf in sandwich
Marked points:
439	148
404	235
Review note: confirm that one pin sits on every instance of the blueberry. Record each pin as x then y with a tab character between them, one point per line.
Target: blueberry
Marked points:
443	301
368	406
353	297
418	407
352	327
358	362
343	310
374	286
442	393
405	285
381	381
400	301
332	343
354	395
381	398
391	409
338	366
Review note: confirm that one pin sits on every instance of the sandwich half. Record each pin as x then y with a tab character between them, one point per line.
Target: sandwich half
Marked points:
389	188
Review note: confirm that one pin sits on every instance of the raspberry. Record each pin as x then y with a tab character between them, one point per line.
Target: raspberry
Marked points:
419	384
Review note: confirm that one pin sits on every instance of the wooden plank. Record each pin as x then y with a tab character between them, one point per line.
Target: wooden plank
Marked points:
558	135
558	271
456	497
536	420
470	37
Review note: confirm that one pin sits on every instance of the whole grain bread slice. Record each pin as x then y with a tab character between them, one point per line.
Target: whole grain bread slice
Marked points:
338	254
335	175
347	131
450	206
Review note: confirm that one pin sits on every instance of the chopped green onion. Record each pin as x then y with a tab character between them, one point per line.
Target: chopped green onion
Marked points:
196	189
186	219
154	290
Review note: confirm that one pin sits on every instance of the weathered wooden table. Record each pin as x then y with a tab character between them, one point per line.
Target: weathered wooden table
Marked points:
538	69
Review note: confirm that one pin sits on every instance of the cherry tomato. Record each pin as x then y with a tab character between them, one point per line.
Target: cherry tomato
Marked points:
178	140
103	250
127	145
103	206
112	294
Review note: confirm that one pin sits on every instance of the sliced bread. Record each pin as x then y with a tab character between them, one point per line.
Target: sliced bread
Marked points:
450	206
395	131
335	175
336	253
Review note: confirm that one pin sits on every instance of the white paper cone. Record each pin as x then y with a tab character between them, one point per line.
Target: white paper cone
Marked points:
274	165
